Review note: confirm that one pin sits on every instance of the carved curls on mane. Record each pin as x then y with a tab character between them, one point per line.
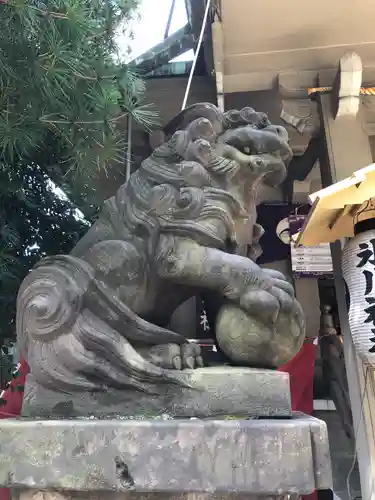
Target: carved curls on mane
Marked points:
174	188
67	316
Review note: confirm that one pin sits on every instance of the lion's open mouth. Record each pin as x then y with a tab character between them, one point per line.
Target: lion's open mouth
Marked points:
250	140
270	167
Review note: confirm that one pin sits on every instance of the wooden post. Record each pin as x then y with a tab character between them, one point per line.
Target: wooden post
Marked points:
346	149
345	92
218	51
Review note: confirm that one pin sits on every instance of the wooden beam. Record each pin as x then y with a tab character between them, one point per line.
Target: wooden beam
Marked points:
346	149
161	54
300	167
195	11
170	17
347	85
179	68
218	52
333	367
298	112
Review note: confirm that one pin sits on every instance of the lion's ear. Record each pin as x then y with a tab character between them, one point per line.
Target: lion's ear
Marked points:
156	139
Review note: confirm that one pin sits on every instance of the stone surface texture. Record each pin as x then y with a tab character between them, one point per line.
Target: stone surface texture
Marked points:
94	327
97	321
212	392
54	495
260	457
342	456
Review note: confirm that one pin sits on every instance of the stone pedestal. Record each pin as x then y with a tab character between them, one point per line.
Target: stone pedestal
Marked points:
168	459
54	495
204	392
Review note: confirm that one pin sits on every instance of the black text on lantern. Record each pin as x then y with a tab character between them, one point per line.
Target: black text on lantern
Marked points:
367	256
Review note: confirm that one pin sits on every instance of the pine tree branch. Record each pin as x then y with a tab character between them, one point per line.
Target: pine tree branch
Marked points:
93	122
62	77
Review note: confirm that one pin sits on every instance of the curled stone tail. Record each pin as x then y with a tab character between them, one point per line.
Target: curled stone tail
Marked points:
80	332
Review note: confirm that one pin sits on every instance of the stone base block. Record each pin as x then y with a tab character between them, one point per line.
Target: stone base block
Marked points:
54	495
208	392
256	457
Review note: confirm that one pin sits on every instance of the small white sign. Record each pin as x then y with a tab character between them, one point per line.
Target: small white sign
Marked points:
308	261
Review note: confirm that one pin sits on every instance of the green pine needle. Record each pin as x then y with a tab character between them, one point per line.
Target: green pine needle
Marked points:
64	100
58	74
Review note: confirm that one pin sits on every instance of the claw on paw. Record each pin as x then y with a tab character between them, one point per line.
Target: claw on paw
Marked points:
174	356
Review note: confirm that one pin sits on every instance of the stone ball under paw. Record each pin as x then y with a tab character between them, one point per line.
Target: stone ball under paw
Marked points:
249	342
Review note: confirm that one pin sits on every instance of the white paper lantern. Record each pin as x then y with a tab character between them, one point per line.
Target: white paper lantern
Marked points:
358	265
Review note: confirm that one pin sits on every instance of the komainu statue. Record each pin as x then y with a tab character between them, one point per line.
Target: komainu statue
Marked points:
93	325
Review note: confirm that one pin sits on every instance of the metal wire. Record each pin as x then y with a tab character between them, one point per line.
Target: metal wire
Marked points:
197	50
129	150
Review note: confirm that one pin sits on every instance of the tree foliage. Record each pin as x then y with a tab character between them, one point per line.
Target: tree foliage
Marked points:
63	92
59	74
34	222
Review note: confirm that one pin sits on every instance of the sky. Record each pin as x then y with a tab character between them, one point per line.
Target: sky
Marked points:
149	29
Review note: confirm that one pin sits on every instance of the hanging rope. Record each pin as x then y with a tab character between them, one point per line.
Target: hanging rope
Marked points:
197	50
325	90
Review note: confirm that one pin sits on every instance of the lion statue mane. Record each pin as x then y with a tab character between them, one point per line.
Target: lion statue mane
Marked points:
184	223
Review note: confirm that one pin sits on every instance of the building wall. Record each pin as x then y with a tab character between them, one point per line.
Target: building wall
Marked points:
168	94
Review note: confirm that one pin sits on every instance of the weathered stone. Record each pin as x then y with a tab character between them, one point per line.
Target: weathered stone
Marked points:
260	457
94	328
208	392
94	325
105	495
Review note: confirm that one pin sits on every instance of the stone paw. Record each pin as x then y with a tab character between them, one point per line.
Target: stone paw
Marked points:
274	296
174	356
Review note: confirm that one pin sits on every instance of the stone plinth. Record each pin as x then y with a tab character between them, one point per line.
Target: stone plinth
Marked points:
207	392
54	495
212	458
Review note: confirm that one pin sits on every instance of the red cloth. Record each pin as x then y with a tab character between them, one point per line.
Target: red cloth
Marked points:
11	403
301	372
300	369
11	398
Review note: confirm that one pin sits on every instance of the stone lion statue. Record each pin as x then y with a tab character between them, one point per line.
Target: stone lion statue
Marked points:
95	322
